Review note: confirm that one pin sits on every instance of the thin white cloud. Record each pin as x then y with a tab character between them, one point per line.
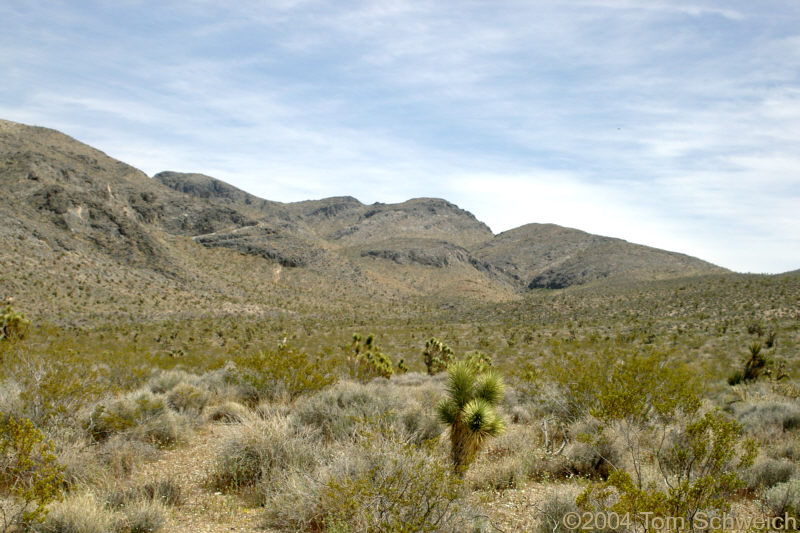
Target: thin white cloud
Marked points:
670	123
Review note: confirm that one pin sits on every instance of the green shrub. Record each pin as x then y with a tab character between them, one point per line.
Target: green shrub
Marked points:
478	360
699	471
30	477
283	372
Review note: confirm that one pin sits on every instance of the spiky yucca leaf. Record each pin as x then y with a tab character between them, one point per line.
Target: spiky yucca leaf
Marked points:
448	412
482	420
460	384
490	387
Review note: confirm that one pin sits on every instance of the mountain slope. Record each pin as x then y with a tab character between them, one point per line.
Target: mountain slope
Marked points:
554	257
181	238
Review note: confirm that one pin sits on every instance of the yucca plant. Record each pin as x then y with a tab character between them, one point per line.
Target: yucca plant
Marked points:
469	411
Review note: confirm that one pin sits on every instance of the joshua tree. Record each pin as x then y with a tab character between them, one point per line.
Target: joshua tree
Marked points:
438	356
469	411
368	360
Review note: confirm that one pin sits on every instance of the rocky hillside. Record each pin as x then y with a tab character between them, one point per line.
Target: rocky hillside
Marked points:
71	206
549	256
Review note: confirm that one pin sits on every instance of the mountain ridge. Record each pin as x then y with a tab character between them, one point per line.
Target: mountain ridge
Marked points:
71	197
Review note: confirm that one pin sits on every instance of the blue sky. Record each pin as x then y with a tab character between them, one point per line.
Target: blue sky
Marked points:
670	123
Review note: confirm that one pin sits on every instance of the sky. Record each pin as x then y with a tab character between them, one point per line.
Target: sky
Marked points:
670	123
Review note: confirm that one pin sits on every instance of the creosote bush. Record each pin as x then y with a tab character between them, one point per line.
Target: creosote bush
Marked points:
30	477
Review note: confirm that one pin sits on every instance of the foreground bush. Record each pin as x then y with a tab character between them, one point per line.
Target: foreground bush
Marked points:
29	474
256	450
784	498
82	513
380	486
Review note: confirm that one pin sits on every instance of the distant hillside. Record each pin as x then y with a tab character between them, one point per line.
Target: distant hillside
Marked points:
183	239
553	257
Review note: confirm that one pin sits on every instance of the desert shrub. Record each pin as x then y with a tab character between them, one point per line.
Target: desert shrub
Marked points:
419	422
13	325
166	380
167	491
509	460
379	486
558	501
700	471
437	356
120	455
11	402
766	472
80	513
144	516
227	412
142	415
30	477
784	498
187	398
337	411
767	418
283	372
256	449
507	472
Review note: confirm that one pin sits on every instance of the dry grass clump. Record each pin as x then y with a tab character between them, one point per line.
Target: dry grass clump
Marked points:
229	411
509	461
81	513
166	380
120	456
558	501
256	450
767	472
144	516
337	410
768	419
378	484
784	498
139	415
188	399
164	491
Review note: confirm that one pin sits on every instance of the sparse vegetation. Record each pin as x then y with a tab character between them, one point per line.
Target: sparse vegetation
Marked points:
634	393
